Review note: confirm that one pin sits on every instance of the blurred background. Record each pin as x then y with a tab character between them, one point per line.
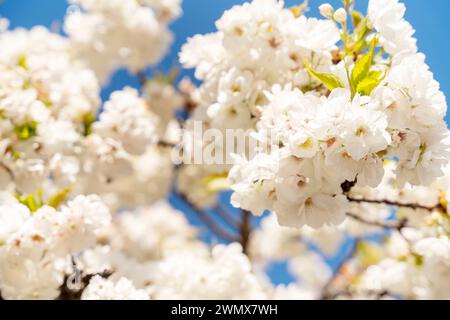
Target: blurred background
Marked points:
431	19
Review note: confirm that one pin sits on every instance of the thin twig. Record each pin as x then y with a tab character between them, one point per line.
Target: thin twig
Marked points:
413	206
326	288
245	230
208	221
227	217
67	293
162	143
374	295
141	77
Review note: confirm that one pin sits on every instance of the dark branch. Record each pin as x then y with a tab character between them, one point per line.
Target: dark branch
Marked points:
69	294
141	77
413	206
163	143
375	295
245	230
208	221
227	217
348	185
326	294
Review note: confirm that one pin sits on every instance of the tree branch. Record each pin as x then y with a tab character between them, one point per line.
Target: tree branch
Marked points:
70	294
412	206
227	217
208	221
142	78
326	295
162	143
245	230
376	295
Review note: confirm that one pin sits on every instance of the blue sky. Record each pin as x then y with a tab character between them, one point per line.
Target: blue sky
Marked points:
431	19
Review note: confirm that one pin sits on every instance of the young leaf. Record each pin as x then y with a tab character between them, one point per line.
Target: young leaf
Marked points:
216	182
26	131
22	62
329	80
369	83
357	17
29	201
362	28
58	198
362	66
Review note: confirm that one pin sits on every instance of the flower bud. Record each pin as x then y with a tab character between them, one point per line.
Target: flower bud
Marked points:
326	10
340	15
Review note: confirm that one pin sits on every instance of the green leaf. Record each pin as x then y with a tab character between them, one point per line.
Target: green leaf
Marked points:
59	197
369	83
329	80
418	260
26	131
362	66
217	182
22	62
88	120
367	253
298	10
361	29
357	18
29	201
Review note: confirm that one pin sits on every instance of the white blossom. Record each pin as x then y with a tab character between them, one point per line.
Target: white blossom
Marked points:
104	289
112	34
225	274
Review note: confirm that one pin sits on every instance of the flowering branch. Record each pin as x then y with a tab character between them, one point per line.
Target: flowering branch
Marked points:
412	206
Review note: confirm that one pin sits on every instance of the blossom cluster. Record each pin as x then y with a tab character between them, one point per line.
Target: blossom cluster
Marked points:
59	143
52	140
105	37
330	105
351	155
36	246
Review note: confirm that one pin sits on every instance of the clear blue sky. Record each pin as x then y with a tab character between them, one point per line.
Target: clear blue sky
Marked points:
430	18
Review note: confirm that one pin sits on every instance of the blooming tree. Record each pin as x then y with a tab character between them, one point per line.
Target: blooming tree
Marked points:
345	148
